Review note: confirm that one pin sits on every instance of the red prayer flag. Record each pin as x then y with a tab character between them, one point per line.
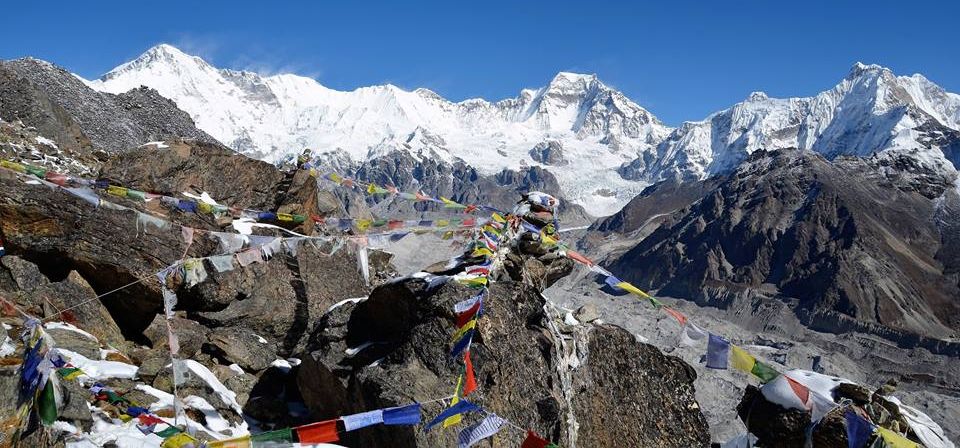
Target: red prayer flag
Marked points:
470	383
319	432
467	315
534	441
148	419
676	315
803	393
576	256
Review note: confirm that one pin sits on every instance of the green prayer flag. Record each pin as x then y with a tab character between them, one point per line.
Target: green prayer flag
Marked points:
169	432
380	222
269	437
47	404
764	372
299	219
39	172
135	194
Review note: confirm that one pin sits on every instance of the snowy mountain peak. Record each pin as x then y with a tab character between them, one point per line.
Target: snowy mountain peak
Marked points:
860	69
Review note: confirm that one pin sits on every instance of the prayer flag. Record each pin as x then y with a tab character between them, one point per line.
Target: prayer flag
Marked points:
205	208
534	441
471	382
676	315
280	437
461	407
718	350
859	430
319	432
764	372
576	256
117	191
404	415
632	289
148	419
464	317
362	420
456	419
69	373
741	360
47	403
479	431
802	392
136	194
284	217
894	440
462	344
692	334
170	431
179	440
237	442
462	331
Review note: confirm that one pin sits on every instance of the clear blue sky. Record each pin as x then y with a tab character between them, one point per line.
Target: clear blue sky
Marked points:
679	59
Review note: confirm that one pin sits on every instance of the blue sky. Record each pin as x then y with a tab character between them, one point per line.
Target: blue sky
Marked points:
681	60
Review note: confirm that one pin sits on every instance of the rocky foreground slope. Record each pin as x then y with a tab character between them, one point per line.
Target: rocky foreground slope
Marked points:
274	344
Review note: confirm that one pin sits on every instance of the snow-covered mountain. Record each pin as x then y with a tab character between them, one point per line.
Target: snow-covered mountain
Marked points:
602	147
270	117
870	111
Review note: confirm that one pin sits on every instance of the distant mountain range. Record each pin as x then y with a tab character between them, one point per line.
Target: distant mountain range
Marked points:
602	147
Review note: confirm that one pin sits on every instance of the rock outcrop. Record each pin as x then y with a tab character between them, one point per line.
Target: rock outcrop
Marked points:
585	386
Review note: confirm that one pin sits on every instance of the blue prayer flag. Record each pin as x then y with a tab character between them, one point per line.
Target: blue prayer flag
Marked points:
718	352
859	429
404	415
462	344
457	408
187	206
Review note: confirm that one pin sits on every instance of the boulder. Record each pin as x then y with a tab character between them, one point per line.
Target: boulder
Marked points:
549	152
241	346
190	334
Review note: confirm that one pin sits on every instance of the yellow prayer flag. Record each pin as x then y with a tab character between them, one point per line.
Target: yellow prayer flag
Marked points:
178	440
117	191
284	217
363	224
336	178
73	375
453	420
13	166
632	289
239	442
476	281
313	172
371	189
204	207
464	329
894	440
443	223
499	218
482	252
741	360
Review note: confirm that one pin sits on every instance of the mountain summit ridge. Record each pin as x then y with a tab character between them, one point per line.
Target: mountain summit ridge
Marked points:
609	142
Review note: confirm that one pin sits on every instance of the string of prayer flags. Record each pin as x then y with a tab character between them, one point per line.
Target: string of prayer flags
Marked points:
466	310
461	407
403	415
718	351
319	432
487	427
362	420
463	343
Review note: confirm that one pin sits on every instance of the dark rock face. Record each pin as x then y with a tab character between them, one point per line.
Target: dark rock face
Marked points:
549	152
80	118
524	373
810	228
